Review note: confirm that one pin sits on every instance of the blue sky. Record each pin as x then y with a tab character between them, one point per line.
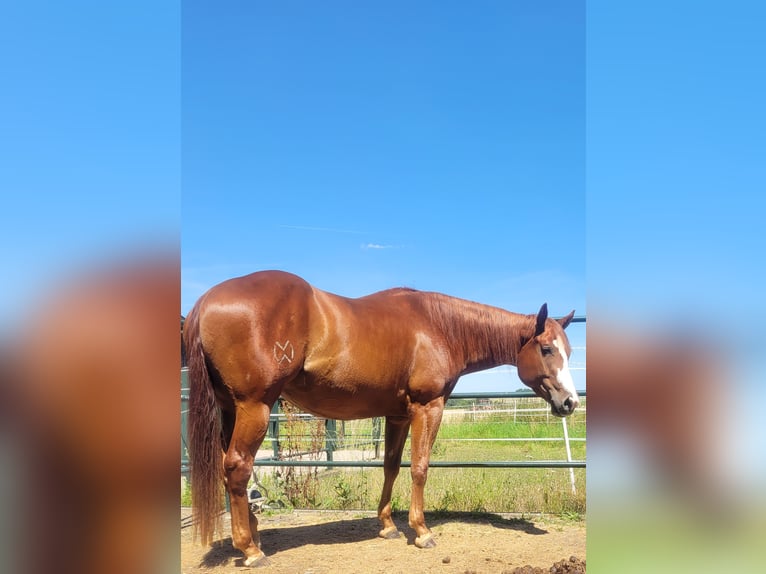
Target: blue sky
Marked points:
90	146
454	138
676	151
436	145
676	175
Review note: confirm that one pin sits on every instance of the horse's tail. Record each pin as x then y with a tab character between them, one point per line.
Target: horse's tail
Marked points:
204	436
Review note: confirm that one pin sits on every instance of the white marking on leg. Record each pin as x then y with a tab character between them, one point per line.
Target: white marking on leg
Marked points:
563	375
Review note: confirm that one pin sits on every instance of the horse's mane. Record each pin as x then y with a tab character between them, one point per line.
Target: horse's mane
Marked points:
481	330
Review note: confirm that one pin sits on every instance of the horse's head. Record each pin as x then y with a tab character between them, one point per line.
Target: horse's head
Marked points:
543	363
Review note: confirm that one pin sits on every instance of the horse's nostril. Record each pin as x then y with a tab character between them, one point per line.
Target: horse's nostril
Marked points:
569	405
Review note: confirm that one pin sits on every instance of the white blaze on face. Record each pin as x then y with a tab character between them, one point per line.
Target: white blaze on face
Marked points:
563	375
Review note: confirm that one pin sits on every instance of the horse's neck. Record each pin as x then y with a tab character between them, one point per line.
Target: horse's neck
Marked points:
482	335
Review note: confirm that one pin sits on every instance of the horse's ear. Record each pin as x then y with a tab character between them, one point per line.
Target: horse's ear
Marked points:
564	321
542	315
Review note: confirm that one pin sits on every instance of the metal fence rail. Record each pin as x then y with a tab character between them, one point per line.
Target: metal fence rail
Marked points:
431	464
333	442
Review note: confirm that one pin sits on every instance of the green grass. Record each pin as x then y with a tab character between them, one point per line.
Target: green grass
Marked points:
516	490
525	490
451	489
186	494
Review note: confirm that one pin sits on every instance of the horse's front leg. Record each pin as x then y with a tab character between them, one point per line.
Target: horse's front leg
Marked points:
425	424
396	436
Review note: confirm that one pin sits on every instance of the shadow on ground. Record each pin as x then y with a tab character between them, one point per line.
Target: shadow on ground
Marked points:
282	538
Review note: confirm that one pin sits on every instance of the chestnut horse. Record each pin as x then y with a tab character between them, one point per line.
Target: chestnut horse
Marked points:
397	353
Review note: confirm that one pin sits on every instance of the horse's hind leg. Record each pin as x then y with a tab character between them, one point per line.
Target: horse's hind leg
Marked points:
252	420
227	420
396	436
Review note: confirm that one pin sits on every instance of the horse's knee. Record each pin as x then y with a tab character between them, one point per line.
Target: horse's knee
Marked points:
419	473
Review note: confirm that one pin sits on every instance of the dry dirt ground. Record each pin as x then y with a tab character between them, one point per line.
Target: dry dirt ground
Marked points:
307	542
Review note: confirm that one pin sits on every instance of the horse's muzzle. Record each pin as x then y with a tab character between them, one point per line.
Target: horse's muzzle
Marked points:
566	408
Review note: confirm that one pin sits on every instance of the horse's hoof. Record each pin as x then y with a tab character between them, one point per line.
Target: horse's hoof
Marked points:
425	541
257	561
389	533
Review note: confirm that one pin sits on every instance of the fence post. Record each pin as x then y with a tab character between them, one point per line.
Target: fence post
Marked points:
274	429
185	463
569	454
376	435
331	437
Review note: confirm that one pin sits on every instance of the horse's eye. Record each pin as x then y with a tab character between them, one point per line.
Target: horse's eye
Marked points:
547	350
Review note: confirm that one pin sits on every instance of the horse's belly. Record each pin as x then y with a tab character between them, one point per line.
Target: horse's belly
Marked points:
351	401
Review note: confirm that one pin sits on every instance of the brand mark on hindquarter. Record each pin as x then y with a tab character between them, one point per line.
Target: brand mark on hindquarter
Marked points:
284	352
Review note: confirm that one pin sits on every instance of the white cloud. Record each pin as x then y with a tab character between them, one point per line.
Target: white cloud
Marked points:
378	246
